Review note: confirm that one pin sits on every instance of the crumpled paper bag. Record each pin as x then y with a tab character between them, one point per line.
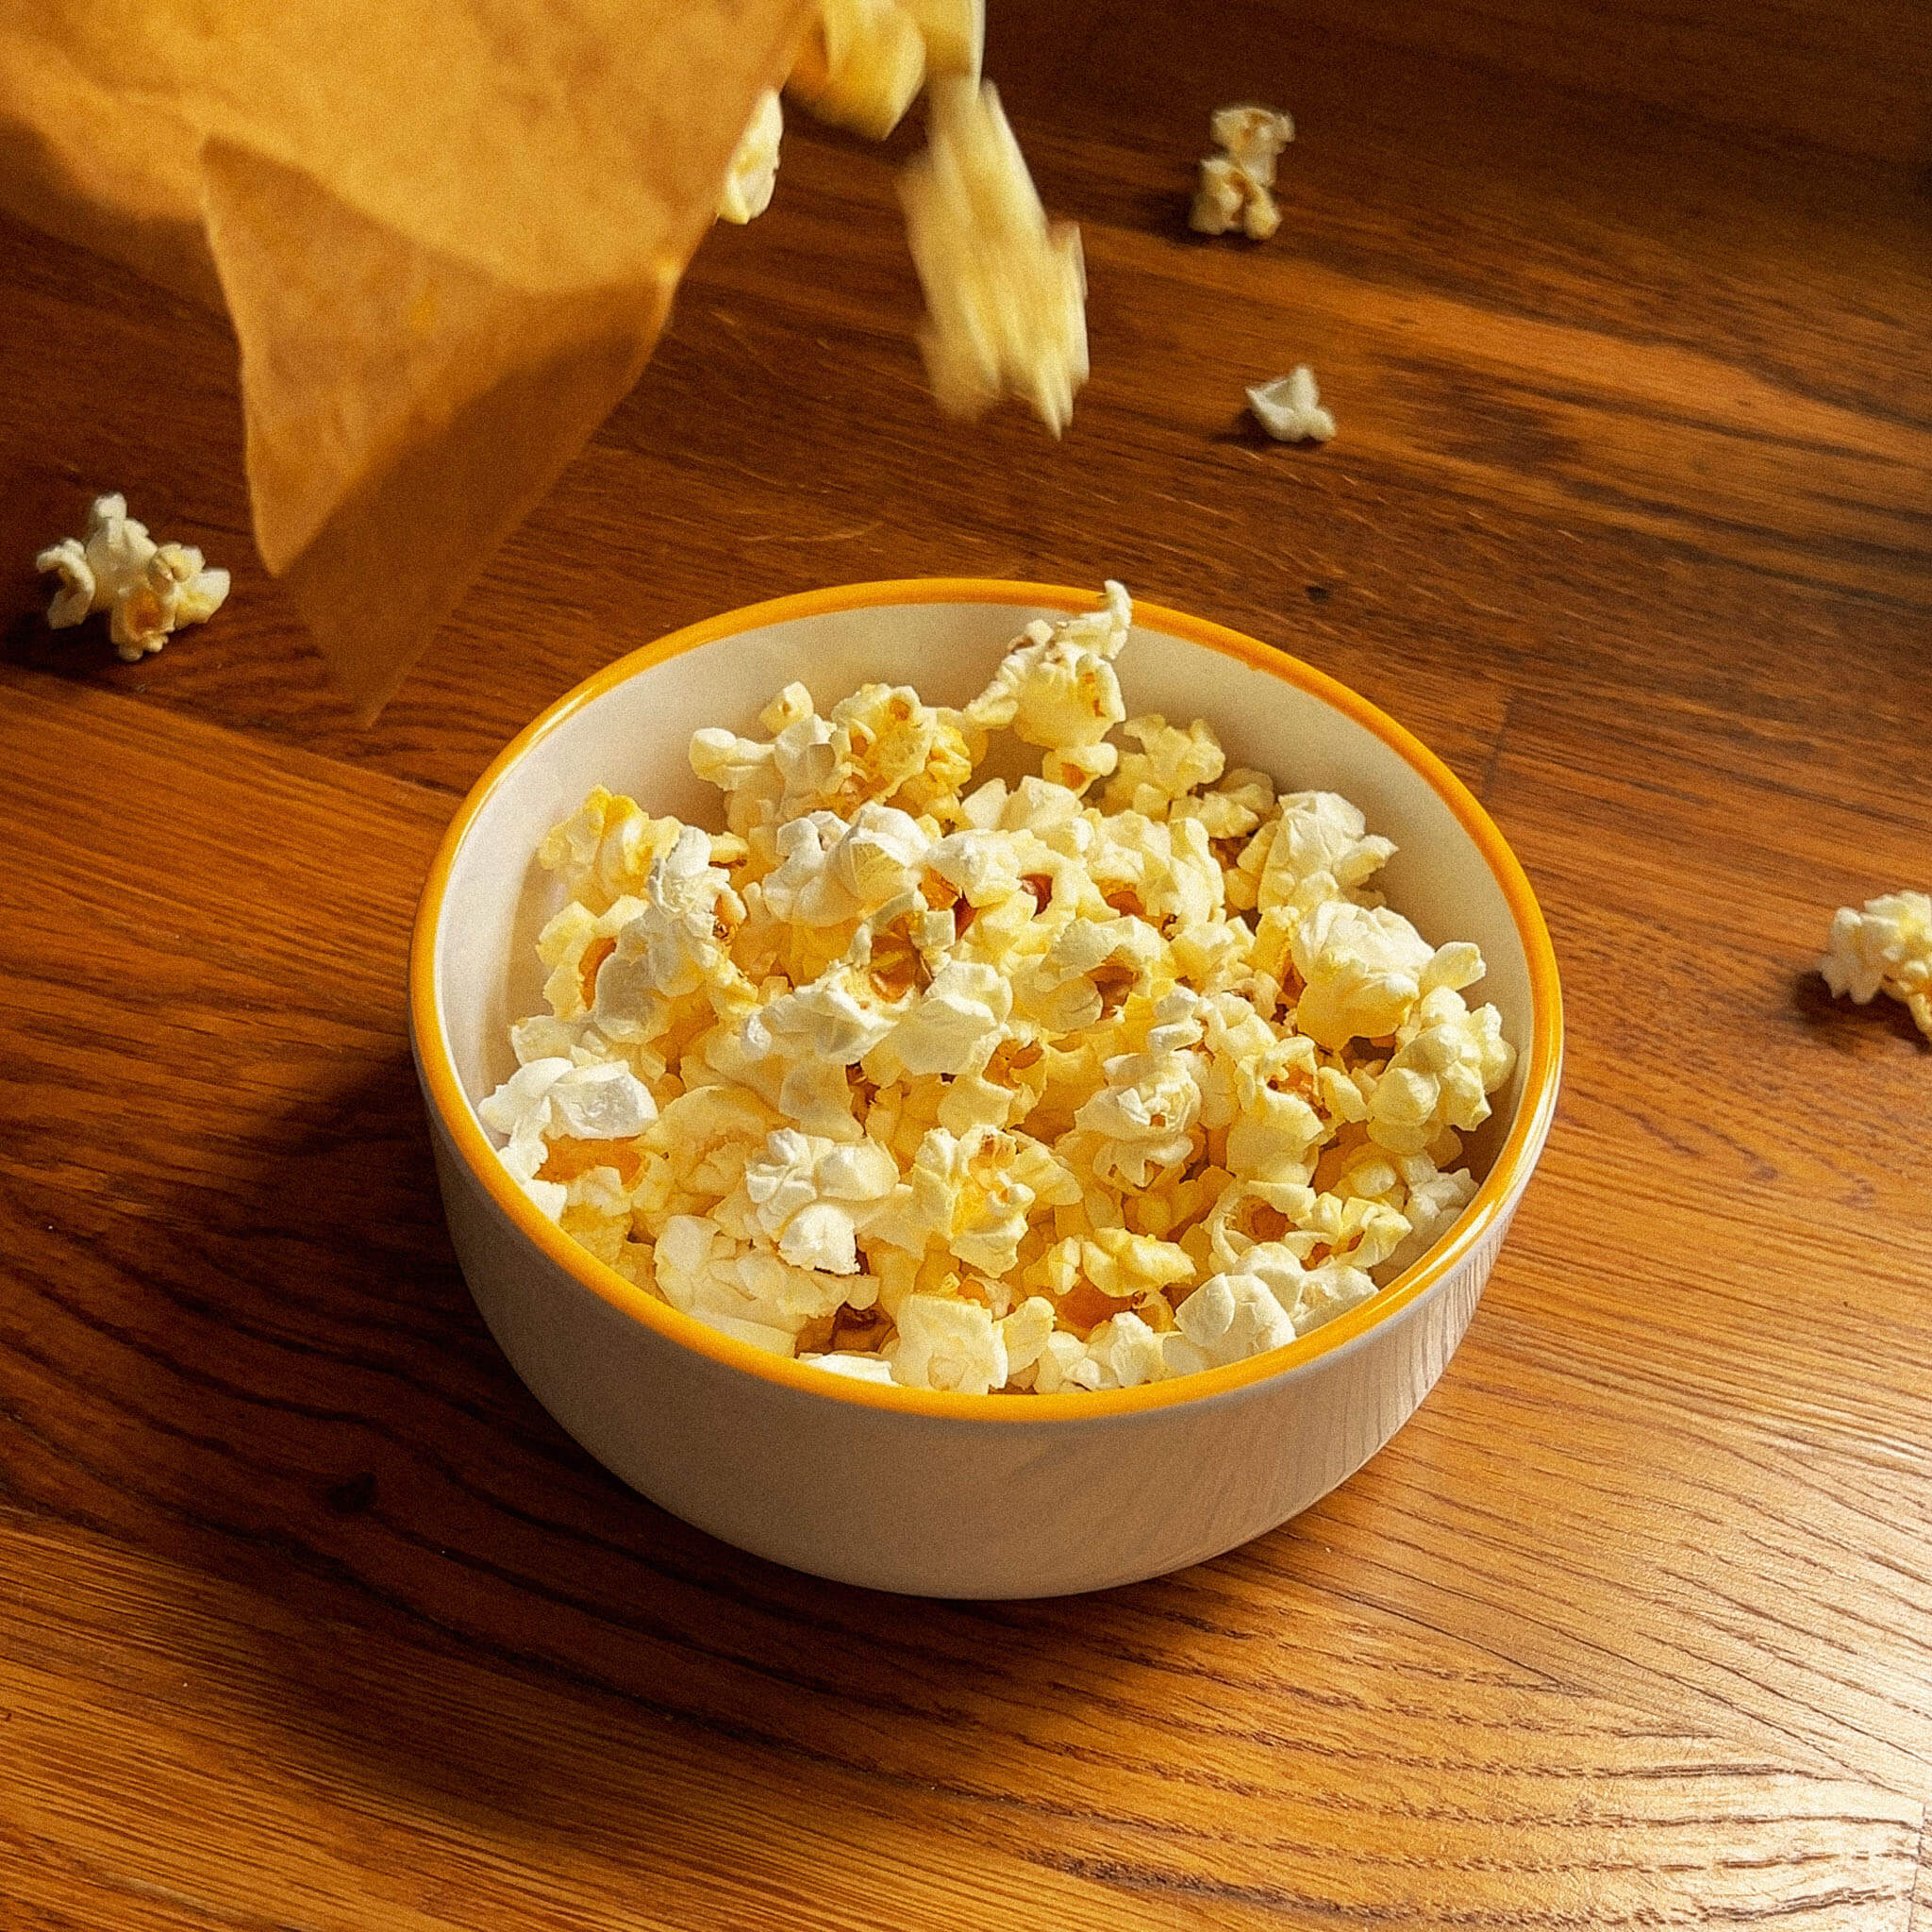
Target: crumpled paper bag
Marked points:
447	237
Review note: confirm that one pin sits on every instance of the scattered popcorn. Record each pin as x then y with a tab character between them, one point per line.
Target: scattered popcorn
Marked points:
1252	138
148	590
754	170
1235	186
982	1087
1290	409
1887	948
1006	293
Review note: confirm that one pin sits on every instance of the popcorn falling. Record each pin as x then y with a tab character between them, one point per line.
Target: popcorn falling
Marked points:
980	1086
1236	184
754	170
147	590
1290	407
1006	292
865	62
862	66
1887	948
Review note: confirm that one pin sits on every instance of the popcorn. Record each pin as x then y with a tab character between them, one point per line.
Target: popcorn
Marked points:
953	32
601	1103
973	1194
1141	1119
147	590
1272	1133
859	1367
1318	848
1129	1352
1363	968
1163	872
862	66
795	1049
1887	948
553	1099
744	1292
648	965
949	1344
1170	764
1005	294
961	1013
1089	966
1311	1296
1290	407
1252	137
754	170
704	1140
606	849
1430	1203
1235	184
1065	1364
880	744
982	1087
1026	1332
1057	688
1441	1076
832	873
1230	1317
1233	808
811	1196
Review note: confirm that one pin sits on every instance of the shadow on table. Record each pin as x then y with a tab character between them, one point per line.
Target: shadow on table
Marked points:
27	641
436	1589
1849	1029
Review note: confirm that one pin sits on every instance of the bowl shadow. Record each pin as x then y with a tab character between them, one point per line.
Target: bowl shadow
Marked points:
431	1592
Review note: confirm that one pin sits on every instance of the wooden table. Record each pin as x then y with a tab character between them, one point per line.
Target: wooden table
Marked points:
310	1618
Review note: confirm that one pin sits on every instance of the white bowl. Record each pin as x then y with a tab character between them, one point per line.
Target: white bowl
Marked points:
908	1489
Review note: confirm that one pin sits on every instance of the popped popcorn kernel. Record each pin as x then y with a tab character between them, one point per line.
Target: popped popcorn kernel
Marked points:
1290	407
1235	185
934	1081
861	65
948	1344
1170	764
606	849
753	173
1886	948
1230	1317
1006	292
148	590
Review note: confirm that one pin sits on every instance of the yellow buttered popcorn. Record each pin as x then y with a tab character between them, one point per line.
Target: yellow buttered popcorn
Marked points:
931	1079
1006	290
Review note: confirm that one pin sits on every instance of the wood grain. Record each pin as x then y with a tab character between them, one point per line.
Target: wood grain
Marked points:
308	1615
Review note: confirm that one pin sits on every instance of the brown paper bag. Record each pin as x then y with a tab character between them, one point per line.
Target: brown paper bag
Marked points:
447	237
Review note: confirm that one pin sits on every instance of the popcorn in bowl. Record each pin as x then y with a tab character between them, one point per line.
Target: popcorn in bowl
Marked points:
1078	1081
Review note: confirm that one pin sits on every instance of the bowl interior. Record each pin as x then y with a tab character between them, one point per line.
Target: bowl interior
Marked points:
632	737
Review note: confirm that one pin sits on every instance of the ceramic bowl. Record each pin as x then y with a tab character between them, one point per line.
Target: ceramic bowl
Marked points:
909	1490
